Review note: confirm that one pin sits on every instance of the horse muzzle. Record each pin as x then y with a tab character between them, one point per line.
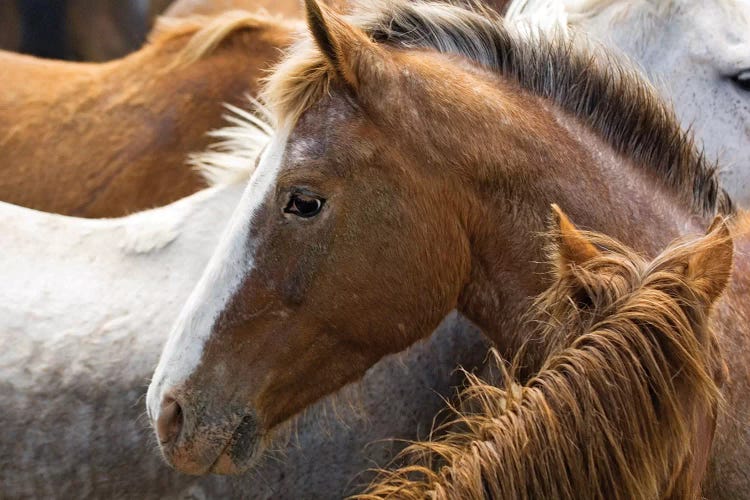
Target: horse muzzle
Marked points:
197	441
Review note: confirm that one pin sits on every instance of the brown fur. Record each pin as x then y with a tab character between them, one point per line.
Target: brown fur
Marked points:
615	411
109	139
10	33
105	29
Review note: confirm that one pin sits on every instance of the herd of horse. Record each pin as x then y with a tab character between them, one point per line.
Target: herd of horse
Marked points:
375	212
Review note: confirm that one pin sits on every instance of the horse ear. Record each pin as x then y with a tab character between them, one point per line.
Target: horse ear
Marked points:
573	247
710	267
343	45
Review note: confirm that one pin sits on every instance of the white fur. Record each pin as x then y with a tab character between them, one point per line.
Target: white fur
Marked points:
82	265
232	261
688	48
85	306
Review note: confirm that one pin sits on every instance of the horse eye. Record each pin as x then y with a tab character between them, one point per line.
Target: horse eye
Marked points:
304	206
742	80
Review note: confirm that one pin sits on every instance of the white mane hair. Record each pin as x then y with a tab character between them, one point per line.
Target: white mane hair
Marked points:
232	158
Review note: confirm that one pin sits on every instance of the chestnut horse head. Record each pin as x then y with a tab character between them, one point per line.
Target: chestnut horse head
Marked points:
417	150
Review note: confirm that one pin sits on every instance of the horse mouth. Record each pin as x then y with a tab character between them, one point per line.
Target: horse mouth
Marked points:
240	451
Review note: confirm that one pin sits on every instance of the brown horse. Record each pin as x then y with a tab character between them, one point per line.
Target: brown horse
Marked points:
109	139
107	29
629	354
418	148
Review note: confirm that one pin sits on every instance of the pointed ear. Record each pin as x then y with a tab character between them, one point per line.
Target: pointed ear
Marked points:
347	48
710	267
573	247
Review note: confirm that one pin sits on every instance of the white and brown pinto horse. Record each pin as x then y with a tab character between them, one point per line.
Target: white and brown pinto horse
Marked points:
82	305
696	52
418	149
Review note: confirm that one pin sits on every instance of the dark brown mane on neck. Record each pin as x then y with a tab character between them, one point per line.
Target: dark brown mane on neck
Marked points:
608	95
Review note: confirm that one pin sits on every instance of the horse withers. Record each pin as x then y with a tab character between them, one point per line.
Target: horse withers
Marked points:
111	139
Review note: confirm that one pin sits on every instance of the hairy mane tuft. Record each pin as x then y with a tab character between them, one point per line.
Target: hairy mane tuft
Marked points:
208	32
234	155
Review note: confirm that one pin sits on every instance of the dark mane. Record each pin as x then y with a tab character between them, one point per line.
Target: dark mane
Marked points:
608	95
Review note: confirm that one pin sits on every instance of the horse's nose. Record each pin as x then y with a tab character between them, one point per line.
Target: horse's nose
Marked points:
170	420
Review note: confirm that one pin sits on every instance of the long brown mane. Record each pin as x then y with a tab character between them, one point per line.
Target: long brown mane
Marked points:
608	95
606	417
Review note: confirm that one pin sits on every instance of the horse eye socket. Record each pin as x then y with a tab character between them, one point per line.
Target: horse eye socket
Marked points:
742	80
304	206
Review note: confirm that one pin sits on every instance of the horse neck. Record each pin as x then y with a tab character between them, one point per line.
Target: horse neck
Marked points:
731	316
601	191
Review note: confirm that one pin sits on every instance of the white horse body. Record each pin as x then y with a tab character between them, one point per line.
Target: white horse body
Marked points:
76	301
80	301
690	49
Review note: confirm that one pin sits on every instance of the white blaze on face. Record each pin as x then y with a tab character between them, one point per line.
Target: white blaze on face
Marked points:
230	263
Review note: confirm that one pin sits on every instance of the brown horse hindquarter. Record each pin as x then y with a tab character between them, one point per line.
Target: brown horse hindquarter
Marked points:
105	140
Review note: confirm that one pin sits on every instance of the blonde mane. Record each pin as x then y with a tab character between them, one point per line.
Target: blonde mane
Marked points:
233	156
627	340
208	32
608	95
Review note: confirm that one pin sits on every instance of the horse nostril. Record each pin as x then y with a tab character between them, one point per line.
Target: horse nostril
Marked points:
169	423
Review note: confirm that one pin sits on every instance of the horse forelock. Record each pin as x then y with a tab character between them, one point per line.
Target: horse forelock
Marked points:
608	95
513	442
